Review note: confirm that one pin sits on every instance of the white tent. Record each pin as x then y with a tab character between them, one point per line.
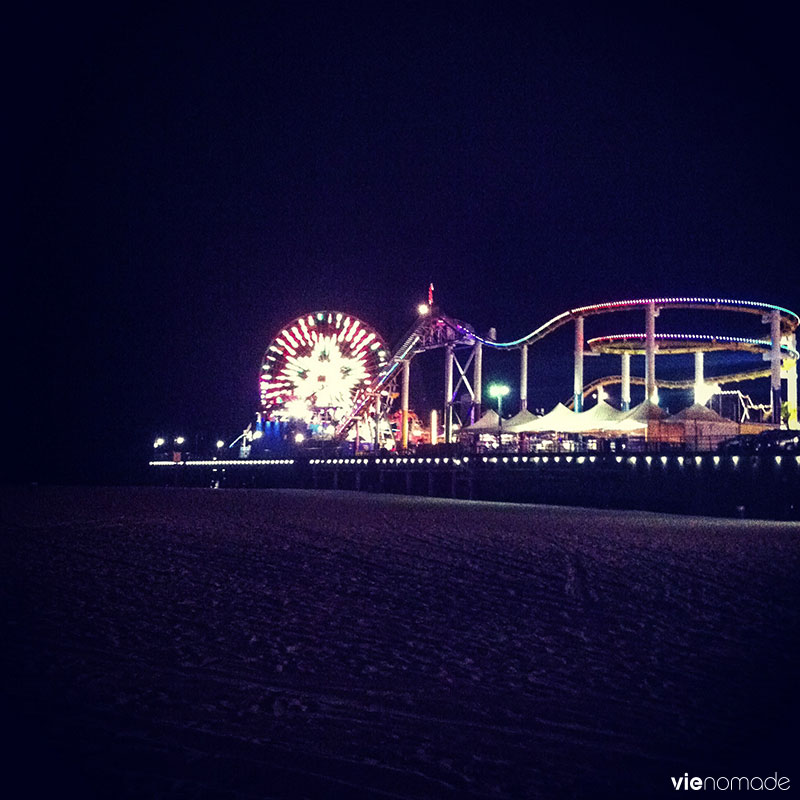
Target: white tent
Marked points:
518	421
560	419
488	423
625	426
601	416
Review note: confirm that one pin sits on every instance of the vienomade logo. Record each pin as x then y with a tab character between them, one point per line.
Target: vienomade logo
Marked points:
724	784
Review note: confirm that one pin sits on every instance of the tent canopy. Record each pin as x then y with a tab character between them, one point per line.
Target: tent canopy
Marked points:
488	423
646	411
601	416
559	419
518	421
696	412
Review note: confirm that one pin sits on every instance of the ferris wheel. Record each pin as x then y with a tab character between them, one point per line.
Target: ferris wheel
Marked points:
317	366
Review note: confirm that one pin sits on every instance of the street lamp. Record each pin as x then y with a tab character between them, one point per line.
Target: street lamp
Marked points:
499	391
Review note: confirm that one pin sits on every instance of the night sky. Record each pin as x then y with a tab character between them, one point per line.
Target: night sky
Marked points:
185	181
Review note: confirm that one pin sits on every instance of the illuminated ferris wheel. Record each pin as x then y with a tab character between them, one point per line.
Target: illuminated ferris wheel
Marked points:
317	366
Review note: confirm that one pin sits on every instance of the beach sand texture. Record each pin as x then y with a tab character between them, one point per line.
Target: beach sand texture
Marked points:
243	643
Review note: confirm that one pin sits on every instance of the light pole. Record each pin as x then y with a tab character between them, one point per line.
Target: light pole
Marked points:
499	391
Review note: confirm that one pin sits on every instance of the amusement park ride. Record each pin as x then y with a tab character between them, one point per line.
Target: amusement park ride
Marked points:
328	376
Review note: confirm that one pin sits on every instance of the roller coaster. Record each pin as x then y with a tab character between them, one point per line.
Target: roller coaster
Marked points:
464	348
329	376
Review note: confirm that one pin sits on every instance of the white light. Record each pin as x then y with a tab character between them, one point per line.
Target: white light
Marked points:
498	390
298	437
158	442
258	434
220	444
423	309
703	392
179	440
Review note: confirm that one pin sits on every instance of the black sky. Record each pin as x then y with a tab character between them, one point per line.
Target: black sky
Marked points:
184	181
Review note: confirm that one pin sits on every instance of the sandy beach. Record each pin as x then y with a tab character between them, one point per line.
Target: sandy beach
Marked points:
277	644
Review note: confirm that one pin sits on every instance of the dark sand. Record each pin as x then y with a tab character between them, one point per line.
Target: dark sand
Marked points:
234	644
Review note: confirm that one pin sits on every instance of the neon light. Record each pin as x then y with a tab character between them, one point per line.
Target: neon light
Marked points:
313	375
692	337
618	305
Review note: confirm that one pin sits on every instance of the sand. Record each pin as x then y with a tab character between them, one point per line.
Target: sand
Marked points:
253	643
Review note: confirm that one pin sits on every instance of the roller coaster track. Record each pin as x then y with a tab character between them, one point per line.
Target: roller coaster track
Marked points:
674	343
440	330
789	320
612	380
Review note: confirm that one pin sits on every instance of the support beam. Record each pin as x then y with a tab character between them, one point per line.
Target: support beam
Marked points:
577	386
625	397
477	380
404	405
775	362
650	353
523	378
699	378
449	355
791	386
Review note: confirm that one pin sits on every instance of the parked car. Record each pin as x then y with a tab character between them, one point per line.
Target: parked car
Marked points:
778	441
743	444
771	441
